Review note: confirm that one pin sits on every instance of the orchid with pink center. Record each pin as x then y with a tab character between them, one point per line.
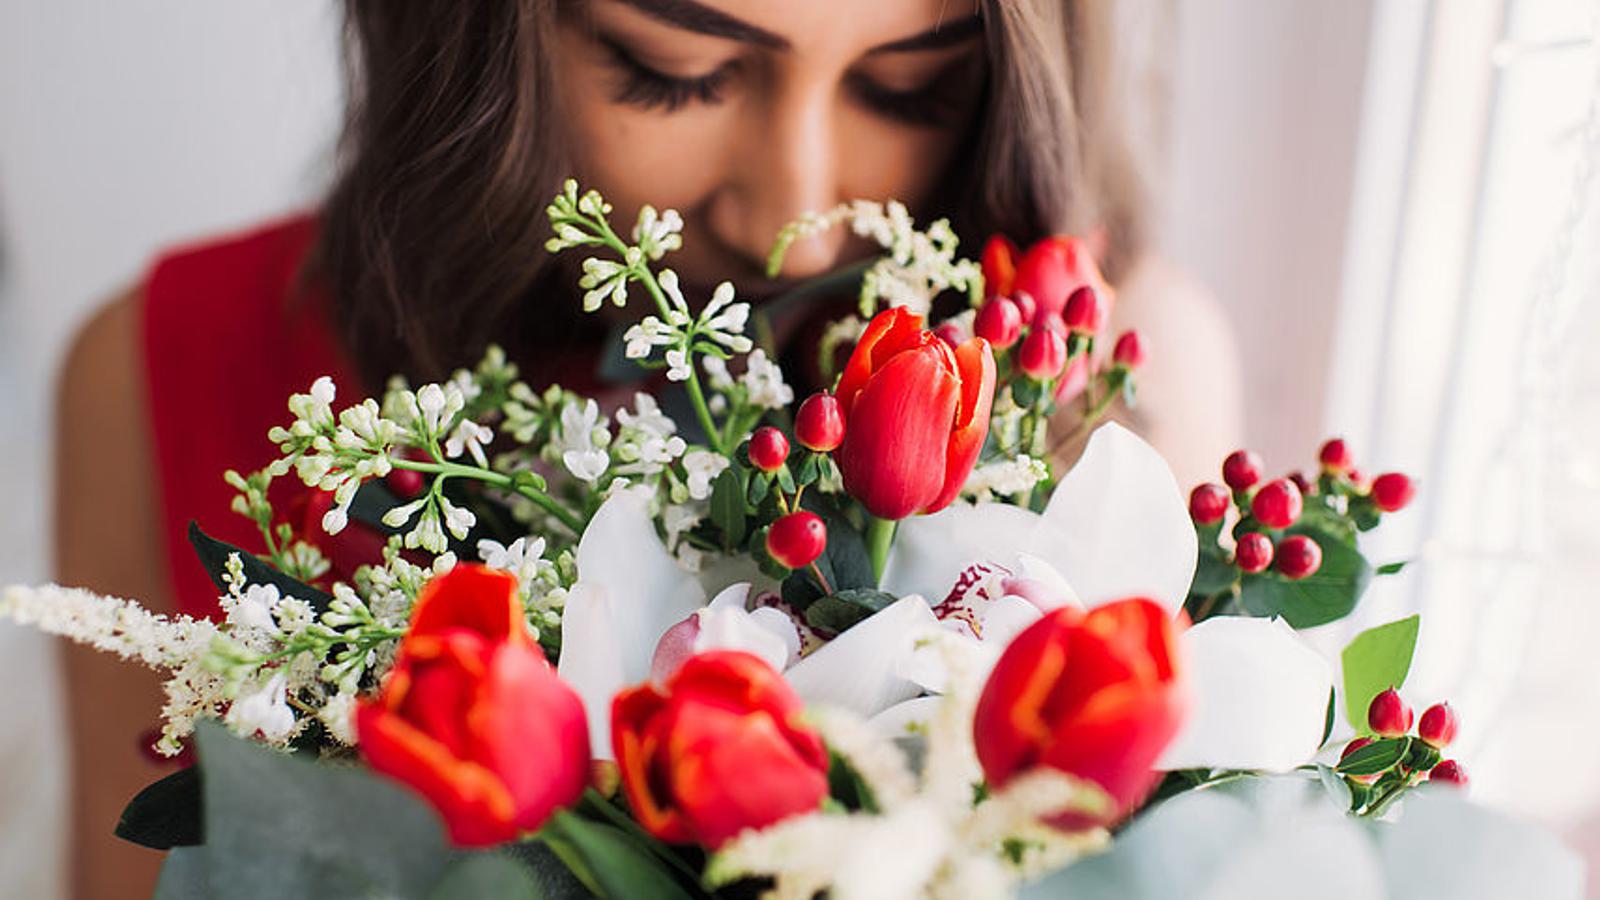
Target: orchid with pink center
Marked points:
1117	526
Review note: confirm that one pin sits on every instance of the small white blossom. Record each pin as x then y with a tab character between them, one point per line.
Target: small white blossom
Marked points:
678	365
763	382
581	440
266	711
338	716
458	520
469	436
677	307
701	467
603	278
658	234
1005	477
646	335
717	372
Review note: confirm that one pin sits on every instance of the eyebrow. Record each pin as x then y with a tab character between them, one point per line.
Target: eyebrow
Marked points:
702	19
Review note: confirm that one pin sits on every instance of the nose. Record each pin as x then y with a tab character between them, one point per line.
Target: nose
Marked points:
785	164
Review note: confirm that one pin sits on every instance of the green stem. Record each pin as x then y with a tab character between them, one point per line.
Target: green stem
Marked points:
488	476
880	537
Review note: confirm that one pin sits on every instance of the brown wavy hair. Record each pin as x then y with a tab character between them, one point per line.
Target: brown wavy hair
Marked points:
432	236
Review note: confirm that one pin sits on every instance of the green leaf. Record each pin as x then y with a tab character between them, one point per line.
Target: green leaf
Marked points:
1213	574
810	468
1326	521
727	507
1374	758
214	557
845	561
1393	568
489	876
166	813
847	786
550	875
1376	660
1326	596
611	862
839	611
1327	720
1338	789
760	486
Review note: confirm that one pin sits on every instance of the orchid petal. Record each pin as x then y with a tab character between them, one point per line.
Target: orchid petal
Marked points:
1259	697
860	670
591	660
908	718
1006	618
1120	525
781	625
930	552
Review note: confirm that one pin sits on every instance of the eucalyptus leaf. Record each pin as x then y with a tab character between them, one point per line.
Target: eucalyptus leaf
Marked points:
611	862
486	876
1376	660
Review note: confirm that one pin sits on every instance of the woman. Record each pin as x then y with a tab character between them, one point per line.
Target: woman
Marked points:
739	113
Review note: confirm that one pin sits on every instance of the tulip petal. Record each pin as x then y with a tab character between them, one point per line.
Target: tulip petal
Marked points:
860	670
1258	697
591	659
1119	524
647	592
889	332
976	369
893	455
930	552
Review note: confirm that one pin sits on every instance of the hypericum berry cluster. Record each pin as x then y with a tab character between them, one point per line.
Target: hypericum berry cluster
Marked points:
1267	509
797	537
1381	767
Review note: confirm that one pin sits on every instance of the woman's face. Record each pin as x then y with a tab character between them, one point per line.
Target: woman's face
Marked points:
742	114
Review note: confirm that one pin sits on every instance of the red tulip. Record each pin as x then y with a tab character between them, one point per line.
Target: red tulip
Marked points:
916	413
718	751
1097	696
999	266
472	716
1055	267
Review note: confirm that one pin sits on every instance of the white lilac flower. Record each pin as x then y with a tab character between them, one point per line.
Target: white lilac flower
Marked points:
677	311
581	440
717	372
457	520
603	278
470	436
724	321
700	468
678	365
763	382
647	416
266	711
646	335
678	518
658	234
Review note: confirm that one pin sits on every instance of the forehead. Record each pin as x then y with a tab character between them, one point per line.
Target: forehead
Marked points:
844	24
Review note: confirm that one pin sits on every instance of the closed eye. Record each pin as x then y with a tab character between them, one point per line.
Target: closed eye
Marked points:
648	88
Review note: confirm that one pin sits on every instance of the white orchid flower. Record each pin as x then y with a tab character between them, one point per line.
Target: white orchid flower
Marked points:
1117	526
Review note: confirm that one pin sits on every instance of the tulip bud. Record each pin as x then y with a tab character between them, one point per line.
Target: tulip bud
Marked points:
950	333
1278	504
1253	553
1438	725
1335	457
1449	772
1084	312
999	322
769	449
1388	715
1208	503
819	425
1298	557
999	263
1241	469
797	539
1392	491
1026	305
1129	350
1043	353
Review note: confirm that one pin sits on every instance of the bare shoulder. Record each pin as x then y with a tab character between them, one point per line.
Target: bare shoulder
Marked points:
1191	388
105	499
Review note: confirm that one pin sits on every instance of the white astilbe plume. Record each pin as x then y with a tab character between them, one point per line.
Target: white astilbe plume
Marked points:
932	838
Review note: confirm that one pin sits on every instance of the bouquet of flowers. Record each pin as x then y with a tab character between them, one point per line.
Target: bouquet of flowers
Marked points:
869	646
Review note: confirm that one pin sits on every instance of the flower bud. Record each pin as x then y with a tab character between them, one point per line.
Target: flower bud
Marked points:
999	322
1254	552
1241	469
819	425
1026	305
1388	715
1335	457
1084	313
1129	350
1298	556
950	333
1438	725
769	449
1278	504
1392	491
1043	353
1208	503
999	263
797	539
1449	772
1299	480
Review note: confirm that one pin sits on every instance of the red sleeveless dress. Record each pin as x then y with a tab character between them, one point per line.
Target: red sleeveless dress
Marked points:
229	332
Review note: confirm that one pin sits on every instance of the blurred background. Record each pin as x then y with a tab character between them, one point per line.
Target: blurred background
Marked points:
1395	201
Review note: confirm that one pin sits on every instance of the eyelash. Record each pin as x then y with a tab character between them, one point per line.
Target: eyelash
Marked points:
930	106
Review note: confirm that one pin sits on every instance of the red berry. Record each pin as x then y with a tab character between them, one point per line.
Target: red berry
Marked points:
1392	491
1298	556
1241	469
819	425
769	449
405	484
1438	725
999	322
1025	304
797	539
1354	476
1043	353
1208	503
1129	350
1299	480
1335	456
1254	552
1084	313
1449	772
1278	504
1388	715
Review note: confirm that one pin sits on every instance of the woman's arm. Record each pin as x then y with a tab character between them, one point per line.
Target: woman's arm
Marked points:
107	540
